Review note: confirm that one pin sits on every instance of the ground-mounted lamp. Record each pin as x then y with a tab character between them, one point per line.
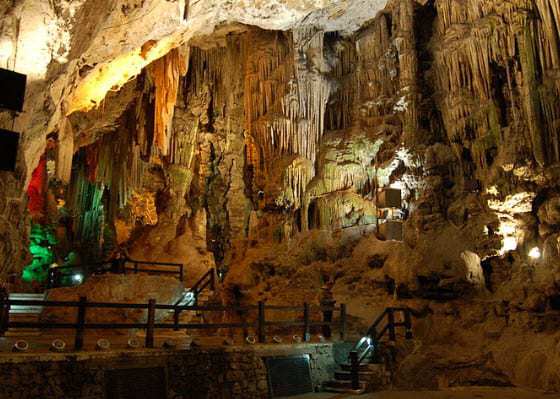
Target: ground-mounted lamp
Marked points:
58	345
251	339
133	343
276	339
102	344
321	338
20	346
297	339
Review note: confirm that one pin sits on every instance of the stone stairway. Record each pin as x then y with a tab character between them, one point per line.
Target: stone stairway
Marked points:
188	299
25	313
372	376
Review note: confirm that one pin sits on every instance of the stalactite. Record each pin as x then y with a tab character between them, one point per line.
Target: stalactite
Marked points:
166	73
65	152
522	39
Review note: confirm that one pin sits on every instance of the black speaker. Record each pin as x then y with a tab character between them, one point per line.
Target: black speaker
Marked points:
12	90
8	149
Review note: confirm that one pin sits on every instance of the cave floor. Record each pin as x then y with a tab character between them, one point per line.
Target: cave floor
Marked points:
455	393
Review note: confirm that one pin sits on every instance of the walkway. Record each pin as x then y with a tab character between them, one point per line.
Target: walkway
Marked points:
457	393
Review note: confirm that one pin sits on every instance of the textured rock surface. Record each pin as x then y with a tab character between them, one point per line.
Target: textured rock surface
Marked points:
115	288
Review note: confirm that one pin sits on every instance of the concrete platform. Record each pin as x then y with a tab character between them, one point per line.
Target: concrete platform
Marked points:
456	393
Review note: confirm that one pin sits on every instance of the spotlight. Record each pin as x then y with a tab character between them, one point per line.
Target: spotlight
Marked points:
276	339
103	344
58	345
297	339
20	346
133	343
251	340
535	253
78	278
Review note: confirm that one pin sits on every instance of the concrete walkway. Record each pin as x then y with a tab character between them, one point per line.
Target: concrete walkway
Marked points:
456	393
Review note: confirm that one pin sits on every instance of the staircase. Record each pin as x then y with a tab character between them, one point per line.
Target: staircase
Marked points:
370	361
25	313
198	295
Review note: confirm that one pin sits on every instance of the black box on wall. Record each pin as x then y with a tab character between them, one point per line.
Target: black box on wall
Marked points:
8	149
12	90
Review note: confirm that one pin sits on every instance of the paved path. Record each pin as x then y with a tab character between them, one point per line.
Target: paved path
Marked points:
458	393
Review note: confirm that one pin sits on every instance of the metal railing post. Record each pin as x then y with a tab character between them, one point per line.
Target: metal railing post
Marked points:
355	370
306	333
408	324
391	322
261	323
80	329
213	279
150	324
176	315
342	322
4	311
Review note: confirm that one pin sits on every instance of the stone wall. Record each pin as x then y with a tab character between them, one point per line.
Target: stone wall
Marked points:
233	372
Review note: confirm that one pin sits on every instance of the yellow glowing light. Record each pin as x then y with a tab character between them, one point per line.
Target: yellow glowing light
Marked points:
508	244
91	90
6	49
535	253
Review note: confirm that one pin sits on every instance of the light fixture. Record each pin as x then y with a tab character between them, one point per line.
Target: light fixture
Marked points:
58	345
133	343
251	340
103	344
20	346
78	278
535	253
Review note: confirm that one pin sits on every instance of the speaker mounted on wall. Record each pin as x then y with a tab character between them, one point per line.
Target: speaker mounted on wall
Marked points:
8	150
12	93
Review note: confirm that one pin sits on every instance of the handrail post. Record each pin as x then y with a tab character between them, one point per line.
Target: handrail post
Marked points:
306	334
79	339
342	322
176	315
181	273
261	323
150	324
408	324
135	267
355	370
213	279
4	311
391	322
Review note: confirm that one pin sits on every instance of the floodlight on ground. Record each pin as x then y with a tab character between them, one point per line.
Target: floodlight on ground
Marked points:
103	344
58	345
20	346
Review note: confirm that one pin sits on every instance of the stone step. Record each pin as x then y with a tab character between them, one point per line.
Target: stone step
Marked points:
363	366
343	387
347	375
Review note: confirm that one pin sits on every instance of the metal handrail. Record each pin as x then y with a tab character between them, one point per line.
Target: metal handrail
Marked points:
90	268
373	336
